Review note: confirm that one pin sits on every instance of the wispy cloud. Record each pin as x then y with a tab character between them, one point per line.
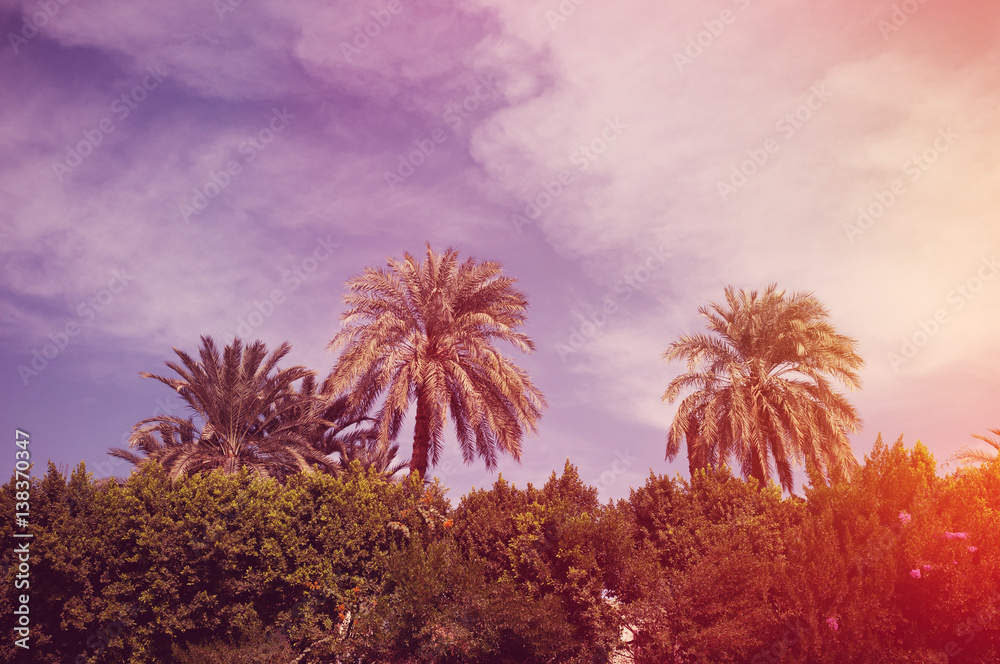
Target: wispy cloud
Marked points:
145	138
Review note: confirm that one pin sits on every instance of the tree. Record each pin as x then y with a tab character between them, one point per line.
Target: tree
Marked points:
249	415
968	455
762	389
438	605
699	581
554	542
332	429
425	331
208	565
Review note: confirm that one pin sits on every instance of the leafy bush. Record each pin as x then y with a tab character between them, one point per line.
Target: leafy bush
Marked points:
272	648
128	573
876	557
701	583
439	607
554	543
898	565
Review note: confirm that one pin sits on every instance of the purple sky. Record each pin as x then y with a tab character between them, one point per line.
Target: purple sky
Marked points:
176	169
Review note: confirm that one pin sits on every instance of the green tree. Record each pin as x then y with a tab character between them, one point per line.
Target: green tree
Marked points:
703	568
248	414
438	606
762	389
552	543
902	560
155	570
425	331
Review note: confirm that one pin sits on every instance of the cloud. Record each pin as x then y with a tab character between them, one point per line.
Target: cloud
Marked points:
745	138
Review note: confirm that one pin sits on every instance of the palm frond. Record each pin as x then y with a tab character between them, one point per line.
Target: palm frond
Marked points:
968	455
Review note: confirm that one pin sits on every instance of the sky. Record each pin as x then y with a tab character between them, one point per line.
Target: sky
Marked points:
169	170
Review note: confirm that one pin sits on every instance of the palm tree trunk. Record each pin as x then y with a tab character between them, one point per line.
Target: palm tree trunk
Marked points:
421	436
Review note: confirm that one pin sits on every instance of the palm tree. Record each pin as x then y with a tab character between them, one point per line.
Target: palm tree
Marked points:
337	431
762	391
326	423
248	415
968	455
424	331
371	454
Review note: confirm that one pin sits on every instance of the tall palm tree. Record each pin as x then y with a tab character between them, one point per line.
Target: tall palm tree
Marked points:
968	455
424	331
762	390
248	414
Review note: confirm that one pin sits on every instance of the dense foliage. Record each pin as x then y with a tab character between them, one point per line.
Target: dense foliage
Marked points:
898	564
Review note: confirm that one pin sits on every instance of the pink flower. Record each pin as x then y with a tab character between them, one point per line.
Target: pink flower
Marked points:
951	536
832	624
927	568
915	573
905	518
972	549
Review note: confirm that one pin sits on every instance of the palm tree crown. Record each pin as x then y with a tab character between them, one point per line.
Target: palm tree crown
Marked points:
761	388
424	331
249	415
